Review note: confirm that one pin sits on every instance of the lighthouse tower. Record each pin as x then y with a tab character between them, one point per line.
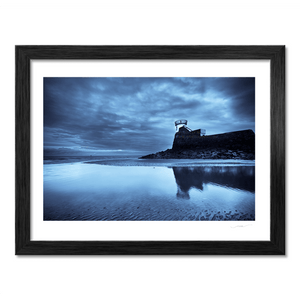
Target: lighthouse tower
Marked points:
180	123
183	123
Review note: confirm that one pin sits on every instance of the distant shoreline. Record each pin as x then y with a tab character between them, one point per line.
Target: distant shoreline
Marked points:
169	163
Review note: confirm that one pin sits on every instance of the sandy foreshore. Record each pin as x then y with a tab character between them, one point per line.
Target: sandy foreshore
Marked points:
150	190
207	215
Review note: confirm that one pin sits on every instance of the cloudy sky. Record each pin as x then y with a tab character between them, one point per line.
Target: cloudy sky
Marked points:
104	116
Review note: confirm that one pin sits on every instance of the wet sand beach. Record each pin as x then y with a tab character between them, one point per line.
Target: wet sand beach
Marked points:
129	189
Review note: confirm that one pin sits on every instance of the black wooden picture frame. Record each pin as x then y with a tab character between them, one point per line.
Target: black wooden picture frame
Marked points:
25	246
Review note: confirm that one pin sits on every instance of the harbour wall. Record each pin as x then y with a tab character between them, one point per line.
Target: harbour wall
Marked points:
243	140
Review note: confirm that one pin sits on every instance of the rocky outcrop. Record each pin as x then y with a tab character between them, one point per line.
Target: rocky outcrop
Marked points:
237	140
198	154
190	145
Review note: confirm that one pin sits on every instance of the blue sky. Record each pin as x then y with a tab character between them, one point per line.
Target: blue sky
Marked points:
95	116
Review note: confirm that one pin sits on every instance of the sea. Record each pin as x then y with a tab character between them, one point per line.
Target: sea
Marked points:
126	188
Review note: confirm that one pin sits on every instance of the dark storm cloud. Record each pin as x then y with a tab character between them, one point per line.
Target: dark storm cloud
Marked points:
138	114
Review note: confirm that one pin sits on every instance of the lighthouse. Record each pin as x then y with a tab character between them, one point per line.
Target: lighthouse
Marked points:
183	124
180	123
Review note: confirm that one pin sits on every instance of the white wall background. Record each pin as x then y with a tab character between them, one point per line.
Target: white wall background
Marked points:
116	22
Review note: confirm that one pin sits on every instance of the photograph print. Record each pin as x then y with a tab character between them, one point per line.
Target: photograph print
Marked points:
149	149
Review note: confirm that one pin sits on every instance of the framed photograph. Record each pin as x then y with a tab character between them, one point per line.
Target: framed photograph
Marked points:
150	150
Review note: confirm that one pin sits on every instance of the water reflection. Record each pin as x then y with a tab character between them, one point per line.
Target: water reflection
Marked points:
240	177
95	192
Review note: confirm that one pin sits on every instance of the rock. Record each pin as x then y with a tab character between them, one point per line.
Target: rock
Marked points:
241	145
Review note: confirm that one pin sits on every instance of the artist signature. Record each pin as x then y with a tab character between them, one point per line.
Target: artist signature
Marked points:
241	226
